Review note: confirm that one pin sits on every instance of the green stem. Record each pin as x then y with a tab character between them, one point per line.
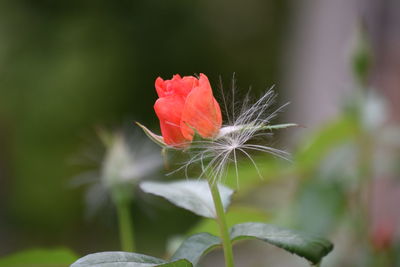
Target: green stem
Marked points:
125	225
223	228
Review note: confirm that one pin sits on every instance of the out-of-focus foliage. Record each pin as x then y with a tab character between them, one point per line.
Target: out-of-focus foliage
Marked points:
39	257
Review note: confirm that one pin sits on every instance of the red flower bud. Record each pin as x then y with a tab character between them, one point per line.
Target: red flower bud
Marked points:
186	105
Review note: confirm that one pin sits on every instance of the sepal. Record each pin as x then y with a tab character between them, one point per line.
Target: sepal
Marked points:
158	139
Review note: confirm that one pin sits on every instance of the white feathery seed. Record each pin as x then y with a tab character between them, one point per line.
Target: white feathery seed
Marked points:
251	123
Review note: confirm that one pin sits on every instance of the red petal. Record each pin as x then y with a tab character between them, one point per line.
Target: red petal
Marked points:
160	87
169	111
201	112
186	85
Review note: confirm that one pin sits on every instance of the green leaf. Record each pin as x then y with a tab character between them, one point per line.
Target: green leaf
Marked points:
310	247
117	259
196	246
193	195
177	263
39	257
126	259
159	140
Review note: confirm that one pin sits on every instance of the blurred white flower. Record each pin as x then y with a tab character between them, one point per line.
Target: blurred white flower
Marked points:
128	159
129	162
373	111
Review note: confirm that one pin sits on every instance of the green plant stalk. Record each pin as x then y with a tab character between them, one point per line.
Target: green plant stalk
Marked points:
223	227
125	225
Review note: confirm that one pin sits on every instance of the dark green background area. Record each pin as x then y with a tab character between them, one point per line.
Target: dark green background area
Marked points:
69	66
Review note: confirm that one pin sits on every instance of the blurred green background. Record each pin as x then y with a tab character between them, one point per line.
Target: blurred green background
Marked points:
68	67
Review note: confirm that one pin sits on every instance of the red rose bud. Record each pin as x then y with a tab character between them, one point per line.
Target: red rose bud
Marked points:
186	105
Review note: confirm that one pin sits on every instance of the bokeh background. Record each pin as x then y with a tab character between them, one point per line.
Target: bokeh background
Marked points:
68	68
